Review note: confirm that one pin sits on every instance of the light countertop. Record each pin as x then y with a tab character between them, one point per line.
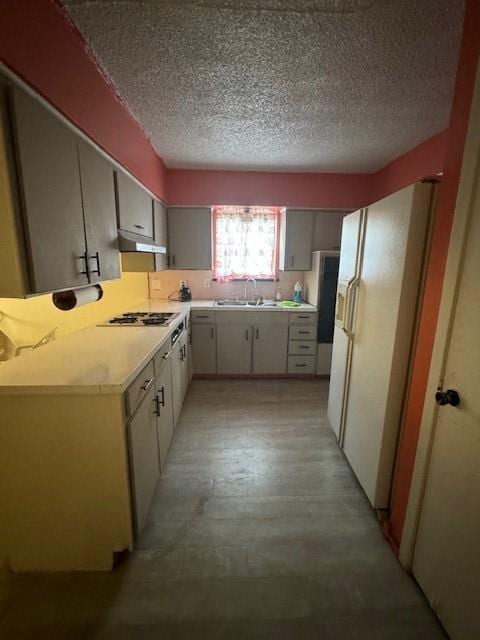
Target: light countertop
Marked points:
100	359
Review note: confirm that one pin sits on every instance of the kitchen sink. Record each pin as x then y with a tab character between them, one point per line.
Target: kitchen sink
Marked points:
243	303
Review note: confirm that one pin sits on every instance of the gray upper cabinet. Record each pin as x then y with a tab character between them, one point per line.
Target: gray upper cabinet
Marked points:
296	232
134	206
190	237
160	234
51	196
100	216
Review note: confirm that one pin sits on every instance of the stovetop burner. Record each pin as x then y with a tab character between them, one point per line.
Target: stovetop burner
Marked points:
141	318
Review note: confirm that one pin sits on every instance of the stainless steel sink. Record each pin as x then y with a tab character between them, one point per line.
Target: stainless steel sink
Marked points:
242	303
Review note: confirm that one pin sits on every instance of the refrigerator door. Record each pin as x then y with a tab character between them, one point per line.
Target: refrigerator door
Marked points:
383	326
350	259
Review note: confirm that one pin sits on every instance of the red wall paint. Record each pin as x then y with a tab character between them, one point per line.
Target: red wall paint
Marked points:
455	142
323	190
40	45
423	161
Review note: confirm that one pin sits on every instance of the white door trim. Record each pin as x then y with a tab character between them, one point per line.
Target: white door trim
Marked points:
469	181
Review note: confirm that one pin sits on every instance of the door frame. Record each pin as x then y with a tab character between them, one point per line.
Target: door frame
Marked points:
469	182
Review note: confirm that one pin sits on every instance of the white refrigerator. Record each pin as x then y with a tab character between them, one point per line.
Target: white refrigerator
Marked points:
379	285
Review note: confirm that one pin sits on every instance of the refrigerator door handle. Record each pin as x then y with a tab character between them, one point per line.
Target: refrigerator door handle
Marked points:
351	300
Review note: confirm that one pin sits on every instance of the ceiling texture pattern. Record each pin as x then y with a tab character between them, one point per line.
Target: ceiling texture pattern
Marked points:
284	85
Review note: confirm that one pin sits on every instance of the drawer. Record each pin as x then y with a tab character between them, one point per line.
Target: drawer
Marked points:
200	315
300	348
301	364
159	358
302	333
302	318
139	387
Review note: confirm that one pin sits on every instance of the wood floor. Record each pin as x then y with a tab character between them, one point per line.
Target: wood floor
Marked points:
258	530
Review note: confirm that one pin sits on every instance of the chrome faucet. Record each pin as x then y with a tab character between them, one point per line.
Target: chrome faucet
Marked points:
246	283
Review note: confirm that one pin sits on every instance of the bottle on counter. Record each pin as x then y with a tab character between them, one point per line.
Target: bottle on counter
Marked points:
297	292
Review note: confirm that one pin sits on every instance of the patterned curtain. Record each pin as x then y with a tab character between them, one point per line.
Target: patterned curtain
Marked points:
245	242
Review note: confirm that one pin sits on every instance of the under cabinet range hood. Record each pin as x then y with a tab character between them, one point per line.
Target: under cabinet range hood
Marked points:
132	242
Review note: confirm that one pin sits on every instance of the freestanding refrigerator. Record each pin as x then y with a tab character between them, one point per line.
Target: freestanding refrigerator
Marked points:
379	285
320	290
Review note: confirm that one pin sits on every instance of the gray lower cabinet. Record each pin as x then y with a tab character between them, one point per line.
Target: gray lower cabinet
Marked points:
100	215
234	348
134	206
190	237
144	461
163	387
47	162
204	348
270	344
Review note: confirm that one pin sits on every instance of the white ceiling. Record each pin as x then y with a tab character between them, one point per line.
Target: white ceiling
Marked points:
287	85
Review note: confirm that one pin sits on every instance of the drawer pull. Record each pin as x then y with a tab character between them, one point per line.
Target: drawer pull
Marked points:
300	365
162	401
156	411
138	226
303	346
304	317
304	333
212	333
147	384
197	316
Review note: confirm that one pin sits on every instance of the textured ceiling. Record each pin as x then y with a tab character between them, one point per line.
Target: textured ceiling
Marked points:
287	85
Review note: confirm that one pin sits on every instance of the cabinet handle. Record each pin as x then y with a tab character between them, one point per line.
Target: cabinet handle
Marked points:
246	334
302	346
292	261
87	268
212	333
173	260
162	401
300	365
200	317
167	355
138	226
97	258
256	333
304	333
156	411
147	384
303	317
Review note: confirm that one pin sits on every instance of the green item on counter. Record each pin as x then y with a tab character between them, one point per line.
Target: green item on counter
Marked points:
289	303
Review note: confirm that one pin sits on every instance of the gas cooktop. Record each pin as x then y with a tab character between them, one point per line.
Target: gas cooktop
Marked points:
140	319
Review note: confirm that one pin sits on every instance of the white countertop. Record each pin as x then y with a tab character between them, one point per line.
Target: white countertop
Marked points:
100	359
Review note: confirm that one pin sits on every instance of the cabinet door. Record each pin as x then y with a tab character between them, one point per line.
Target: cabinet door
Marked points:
98	193
144	460
190	238
270	349
177	379
204	348
135	206
47	161
234	348
163	386
296	240
160	234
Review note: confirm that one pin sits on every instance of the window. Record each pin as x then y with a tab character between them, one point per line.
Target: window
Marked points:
245	242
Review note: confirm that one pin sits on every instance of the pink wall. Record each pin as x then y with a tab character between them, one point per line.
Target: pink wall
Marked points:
455	142
40	45
329	190
323	190
423	161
